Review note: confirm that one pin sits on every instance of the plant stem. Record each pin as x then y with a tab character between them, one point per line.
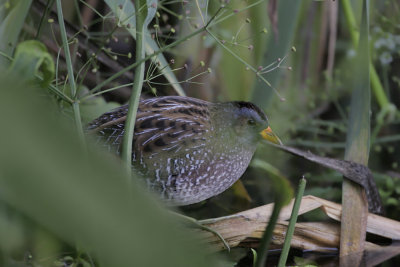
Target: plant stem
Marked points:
136	90
44	16
292	223
377	87
75	104
256	72
351	21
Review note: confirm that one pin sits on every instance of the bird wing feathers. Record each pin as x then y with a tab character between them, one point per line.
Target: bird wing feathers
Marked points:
162	124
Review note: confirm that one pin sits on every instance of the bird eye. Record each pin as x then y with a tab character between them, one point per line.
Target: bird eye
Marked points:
251	122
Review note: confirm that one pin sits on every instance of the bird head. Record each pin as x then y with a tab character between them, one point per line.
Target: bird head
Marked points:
251	124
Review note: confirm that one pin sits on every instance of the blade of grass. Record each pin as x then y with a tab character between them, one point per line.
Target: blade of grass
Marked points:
283	193
355	208
292	223
71	79
376	84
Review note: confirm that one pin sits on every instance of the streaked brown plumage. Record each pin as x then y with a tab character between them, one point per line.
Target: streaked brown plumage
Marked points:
187	149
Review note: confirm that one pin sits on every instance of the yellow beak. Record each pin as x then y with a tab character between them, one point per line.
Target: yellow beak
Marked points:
268	135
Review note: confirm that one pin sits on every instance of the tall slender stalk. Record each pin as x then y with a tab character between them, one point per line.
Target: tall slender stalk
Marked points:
136	90
71	79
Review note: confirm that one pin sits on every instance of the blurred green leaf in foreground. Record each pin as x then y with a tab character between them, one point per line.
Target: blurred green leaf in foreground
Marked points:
80	197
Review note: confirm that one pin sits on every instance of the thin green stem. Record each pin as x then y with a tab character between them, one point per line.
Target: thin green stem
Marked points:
169	11
75	104
77	10
377	87
93	9
292	223
237	57
6	56
136	90
105	91
188	82
257	73
57	92
351	21
44	16
184	81
239	11
201	13
66	49
201	225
